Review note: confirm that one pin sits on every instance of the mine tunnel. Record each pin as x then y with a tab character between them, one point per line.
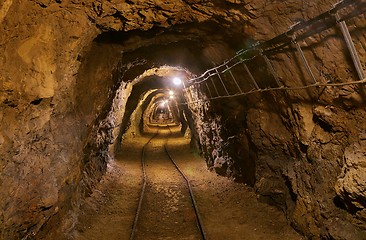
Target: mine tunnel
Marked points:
178	119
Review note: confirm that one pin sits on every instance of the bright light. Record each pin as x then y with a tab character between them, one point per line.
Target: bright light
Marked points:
171	96
177	81
163	103
171	93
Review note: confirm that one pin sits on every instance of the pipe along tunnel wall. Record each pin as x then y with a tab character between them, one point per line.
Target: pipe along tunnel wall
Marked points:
72	74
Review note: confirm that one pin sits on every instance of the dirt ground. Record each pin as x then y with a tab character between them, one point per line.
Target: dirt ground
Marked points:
228	210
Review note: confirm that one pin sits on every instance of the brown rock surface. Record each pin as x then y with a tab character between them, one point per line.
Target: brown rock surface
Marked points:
351	184
61	94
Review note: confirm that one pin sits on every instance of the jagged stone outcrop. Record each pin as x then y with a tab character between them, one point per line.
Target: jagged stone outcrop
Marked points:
350	186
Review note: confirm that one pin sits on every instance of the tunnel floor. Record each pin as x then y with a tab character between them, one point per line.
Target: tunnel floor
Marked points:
228	210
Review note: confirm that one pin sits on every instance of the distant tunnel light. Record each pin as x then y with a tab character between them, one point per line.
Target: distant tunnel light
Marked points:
177	81
162	104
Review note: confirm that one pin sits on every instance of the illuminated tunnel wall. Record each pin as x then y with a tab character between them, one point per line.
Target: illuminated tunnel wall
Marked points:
78	75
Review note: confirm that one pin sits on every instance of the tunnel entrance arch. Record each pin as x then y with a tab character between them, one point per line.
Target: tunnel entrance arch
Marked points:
148	92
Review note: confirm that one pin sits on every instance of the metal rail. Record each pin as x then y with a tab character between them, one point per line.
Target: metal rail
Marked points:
142	193
193	200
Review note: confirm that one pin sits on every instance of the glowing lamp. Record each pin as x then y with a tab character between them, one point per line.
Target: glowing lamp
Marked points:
177	81
171	93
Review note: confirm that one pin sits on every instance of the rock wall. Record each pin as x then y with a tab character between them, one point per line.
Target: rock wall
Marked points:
301	150
40	132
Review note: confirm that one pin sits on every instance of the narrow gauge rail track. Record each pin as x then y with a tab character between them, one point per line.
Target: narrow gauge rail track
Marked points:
145	183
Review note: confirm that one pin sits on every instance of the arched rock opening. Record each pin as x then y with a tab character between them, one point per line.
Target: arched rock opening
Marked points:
67	95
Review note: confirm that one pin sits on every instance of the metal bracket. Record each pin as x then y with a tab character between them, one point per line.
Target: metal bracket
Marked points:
270	67
303	58
222	82
351	47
